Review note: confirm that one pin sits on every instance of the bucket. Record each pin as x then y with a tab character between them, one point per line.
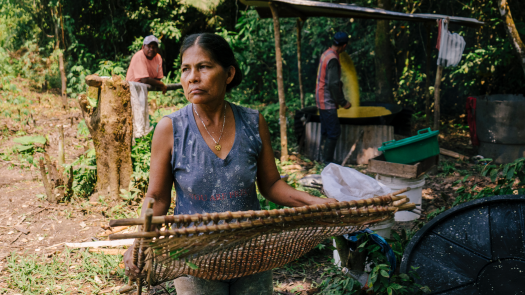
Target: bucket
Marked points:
383	228
414	194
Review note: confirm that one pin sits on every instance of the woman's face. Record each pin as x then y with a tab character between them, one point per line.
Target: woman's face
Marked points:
202	78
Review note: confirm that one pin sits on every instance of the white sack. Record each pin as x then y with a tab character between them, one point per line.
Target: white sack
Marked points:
347	184
451	47
139	108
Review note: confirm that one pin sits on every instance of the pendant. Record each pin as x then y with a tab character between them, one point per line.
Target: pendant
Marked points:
218	147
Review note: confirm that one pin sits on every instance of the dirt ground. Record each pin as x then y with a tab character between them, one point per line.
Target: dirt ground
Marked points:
31	225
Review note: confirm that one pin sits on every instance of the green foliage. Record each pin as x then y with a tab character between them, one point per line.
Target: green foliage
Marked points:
336	282
84	173
30	140
27	143
507	179
62	273
110	68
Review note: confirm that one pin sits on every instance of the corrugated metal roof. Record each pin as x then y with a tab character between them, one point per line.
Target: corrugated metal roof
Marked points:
305	9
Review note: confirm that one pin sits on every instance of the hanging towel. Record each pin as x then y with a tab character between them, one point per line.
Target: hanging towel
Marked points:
471	117
139	109
451	47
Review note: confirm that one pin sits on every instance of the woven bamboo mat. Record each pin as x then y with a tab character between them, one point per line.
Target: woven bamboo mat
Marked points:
220	246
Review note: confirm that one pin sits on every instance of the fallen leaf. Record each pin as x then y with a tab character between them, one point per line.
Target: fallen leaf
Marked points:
98	280
82	224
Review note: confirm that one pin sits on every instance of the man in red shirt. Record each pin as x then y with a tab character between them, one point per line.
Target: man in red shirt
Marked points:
329	96
146	65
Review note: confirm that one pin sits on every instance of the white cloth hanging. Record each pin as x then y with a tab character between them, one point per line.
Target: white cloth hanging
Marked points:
139	109
451	47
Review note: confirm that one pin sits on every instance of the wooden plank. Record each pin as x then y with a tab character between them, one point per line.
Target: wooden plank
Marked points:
126	242
381	166
452	154
392	169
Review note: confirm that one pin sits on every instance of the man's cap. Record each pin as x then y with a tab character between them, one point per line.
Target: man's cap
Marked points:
341	38
150	39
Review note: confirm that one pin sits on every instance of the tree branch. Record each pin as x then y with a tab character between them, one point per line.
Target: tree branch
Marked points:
512	32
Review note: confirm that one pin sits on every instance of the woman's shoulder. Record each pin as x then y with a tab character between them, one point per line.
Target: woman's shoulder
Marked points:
248	114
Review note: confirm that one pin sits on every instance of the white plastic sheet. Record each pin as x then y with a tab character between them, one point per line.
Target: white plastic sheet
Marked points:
347	184
451	47
139	107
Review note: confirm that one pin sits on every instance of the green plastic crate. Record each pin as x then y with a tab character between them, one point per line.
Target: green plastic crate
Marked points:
412	149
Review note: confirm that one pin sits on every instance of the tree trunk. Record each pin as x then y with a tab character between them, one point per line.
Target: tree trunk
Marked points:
110	123
301	91
383	58
280	83
61	66
437	93
428	64
512	32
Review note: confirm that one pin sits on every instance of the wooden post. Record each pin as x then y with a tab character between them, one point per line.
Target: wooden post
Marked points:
49	191
61	146
280	83
427	82
437	90
300	24
437	109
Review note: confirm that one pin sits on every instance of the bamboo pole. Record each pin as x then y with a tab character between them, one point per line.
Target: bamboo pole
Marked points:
300	24
280	83
146	228
395	196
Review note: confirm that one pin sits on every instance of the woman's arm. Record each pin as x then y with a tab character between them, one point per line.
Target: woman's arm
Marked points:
160	176
160	180
269	181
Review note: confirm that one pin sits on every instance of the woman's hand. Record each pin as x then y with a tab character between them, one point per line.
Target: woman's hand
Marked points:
132	270
319	201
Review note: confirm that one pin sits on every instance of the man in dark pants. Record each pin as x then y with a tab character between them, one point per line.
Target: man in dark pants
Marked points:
329	96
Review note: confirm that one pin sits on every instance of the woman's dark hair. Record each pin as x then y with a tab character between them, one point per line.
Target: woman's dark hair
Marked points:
219	50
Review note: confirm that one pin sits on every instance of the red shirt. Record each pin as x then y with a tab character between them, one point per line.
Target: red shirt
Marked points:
141	67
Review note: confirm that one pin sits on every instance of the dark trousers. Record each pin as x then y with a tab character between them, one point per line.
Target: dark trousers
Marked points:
330	126
330	132
256	284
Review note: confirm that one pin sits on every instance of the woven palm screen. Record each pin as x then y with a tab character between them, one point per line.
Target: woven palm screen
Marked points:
220	246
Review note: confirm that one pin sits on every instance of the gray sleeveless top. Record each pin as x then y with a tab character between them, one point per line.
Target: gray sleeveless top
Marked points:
206	183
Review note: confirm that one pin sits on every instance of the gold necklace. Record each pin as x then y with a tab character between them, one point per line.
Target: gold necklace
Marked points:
217	145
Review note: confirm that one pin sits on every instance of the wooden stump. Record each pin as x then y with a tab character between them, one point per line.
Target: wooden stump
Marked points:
107	112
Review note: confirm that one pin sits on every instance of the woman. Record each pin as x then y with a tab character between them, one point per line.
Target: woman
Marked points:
214	151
